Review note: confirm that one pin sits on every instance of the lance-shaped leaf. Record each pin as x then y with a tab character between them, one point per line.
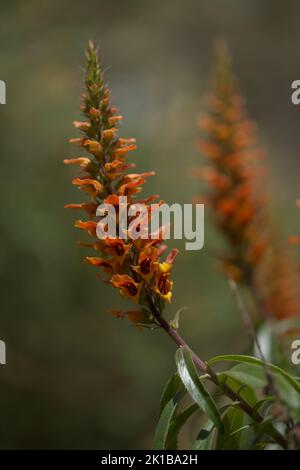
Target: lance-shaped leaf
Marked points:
169	424
177	423
194	386
173	389
163	425
237	431
252	371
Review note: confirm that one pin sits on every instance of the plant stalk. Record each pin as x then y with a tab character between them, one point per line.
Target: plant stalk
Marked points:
203	367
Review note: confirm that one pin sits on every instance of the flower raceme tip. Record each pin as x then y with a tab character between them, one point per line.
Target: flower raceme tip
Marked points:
116	220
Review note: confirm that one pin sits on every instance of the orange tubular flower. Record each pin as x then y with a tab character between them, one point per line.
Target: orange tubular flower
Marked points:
163	283
148	260
231	175
134	267
128	287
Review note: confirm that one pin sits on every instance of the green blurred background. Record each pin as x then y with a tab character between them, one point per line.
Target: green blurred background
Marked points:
76	377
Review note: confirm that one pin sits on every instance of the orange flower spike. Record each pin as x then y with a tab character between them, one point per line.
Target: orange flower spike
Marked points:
232	180
131	264
127	286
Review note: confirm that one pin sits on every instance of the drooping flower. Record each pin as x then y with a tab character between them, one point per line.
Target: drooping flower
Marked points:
133	266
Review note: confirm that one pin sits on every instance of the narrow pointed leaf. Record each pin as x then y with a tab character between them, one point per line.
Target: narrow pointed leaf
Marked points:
163	425
194	386
174	388
178	422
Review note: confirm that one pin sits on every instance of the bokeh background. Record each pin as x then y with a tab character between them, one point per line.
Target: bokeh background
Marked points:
76	377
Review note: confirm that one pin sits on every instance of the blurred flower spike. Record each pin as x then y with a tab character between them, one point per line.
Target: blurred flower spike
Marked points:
232	174
133	266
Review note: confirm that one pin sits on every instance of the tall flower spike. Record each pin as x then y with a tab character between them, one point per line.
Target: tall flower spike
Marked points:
239	207
134	267
231	175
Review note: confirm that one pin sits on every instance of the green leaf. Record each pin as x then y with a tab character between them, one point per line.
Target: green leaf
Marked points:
255	360
174	388
194	386
163	425
264	404
237	432
255	376
244	391
251	371
248	374
172	394
178	422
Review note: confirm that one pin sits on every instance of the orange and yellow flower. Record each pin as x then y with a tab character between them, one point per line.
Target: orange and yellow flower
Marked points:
127	286
148	261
